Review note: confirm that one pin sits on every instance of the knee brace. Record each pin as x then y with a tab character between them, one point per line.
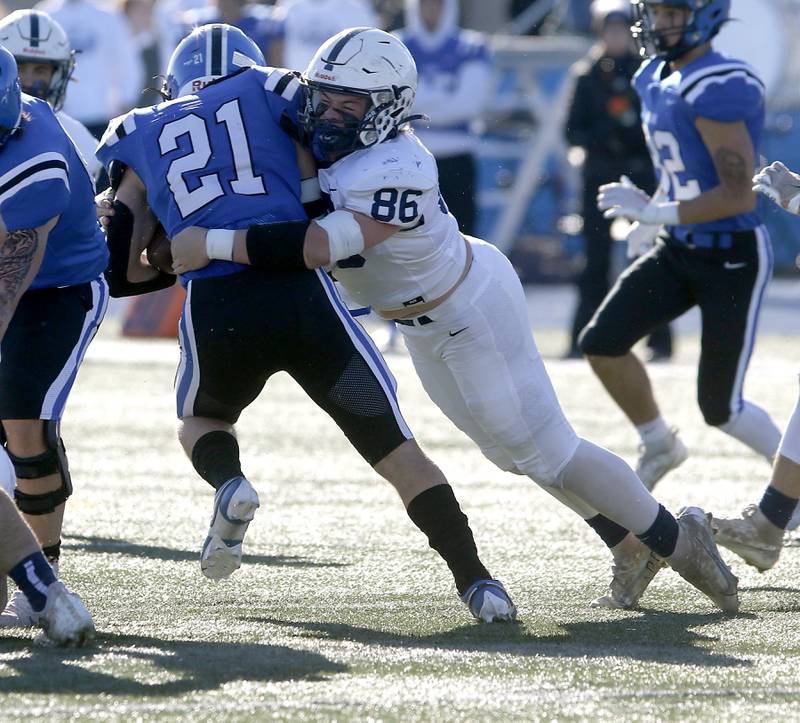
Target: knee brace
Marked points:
53	460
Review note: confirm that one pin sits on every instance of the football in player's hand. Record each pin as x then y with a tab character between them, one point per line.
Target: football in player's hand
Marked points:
159	252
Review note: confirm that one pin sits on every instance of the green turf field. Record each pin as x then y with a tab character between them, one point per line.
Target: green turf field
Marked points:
340	610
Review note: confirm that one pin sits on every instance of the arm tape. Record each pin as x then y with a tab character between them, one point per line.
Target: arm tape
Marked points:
119	235
345	237
277	246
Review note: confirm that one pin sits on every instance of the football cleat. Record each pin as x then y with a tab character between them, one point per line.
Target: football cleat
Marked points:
634	567
700	563
489	602
65	619
752	537
235	505
18	613
656	459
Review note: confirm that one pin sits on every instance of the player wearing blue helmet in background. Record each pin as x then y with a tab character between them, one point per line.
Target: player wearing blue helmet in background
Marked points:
46	217
222	158
703	116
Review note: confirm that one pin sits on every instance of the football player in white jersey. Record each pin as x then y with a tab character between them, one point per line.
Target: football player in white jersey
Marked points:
757	536
46	60
394	246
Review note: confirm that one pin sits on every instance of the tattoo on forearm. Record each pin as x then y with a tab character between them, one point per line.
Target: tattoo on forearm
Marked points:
16	257
734	175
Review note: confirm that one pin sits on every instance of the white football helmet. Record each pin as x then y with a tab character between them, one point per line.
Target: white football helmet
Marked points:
32	36
359	61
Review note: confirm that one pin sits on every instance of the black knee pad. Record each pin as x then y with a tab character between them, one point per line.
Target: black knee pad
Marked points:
53	460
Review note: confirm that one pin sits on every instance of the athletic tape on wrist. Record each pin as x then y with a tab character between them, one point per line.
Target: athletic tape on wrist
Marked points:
219	243
310	190
345	238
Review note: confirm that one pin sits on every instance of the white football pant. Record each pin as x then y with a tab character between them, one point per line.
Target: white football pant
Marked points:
479	363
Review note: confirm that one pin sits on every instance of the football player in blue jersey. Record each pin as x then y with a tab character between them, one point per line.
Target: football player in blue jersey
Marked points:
703	116
220	157
38	161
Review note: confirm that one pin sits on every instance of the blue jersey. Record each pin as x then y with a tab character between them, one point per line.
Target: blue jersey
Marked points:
714	87
216	159
42	176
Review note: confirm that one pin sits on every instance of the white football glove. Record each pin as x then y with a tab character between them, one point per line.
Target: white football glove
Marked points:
781	185
641	238
626	200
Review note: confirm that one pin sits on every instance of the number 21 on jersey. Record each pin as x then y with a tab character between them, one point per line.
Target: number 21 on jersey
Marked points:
228	115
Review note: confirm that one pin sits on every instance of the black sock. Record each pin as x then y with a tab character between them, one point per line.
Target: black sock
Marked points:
52	552
215	456
777	507
662	536
610	532
436	512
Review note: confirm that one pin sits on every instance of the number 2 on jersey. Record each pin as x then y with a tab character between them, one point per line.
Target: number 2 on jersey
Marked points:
210	186
673	165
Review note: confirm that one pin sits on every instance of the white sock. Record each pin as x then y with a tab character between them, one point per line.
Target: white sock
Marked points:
604	481
654	431
754	427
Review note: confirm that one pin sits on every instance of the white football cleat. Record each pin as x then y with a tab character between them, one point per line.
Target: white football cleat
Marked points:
699	561
752	536
18	613
65	619
658	458
235	505
634	567
489	602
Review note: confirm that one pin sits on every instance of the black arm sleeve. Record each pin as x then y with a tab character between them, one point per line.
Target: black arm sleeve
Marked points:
278	246
118	236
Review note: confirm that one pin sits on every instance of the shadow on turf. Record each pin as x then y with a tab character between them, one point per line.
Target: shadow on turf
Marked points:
155	552
660	637
190	666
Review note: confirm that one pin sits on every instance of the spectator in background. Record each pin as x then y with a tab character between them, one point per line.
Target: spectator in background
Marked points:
604	120
309	23
139	14
259	22
455	75
109	71
168	16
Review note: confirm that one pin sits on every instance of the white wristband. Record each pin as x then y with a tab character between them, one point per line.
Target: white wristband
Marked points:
310	190
345	238
219	243
661	214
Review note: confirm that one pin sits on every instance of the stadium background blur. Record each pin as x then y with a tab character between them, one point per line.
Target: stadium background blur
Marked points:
527	178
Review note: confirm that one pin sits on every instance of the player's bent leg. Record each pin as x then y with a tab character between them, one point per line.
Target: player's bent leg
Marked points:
43	486
757	536
434	509
650	293
729	326
60	612
604	481
347	377
214	452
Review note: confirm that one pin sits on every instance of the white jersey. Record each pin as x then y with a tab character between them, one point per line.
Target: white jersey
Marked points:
397	182
84	141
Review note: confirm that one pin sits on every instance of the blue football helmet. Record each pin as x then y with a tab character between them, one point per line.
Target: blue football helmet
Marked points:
207	53
706	18
10	96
